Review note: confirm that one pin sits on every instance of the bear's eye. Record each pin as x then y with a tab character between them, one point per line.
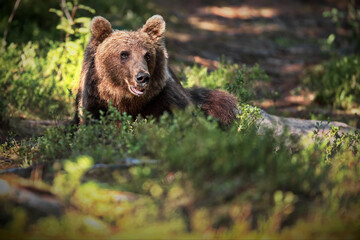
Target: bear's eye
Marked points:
147	57
124	55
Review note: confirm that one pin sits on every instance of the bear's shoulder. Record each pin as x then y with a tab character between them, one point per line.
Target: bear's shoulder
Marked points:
172	96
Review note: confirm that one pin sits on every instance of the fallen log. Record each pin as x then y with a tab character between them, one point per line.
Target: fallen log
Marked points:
40	200
298	127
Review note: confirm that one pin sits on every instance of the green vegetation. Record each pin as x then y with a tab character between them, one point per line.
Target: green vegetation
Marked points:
239	81
38	83
337	81
182	176
248	184
41	27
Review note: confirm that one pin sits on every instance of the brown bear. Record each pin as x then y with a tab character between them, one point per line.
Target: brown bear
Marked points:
130	70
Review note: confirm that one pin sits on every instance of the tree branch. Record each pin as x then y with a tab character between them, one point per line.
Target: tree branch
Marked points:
66	11
17	3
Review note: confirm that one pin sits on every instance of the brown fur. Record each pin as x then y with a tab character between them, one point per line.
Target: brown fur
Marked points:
216	103
129	69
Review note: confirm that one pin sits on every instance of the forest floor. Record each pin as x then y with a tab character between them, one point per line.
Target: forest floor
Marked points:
283	37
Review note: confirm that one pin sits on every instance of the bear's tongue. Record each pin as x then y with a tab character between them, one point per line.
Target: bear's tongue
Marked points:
137	91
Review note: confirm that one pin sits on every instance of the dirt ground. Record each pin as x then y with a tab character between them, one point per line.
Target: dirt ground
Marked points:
282	36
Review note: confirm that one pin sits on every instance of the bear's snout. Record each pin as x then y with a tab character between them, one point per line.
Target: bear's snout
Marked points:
142	78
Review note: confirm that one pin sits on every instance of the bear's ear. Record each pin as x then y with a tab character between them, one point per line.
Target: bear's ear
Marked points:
100	28
155	28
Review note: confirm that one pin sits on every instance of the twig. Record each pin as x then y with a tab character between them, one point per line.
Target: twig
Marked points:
73	12
67	14
17	3
66	11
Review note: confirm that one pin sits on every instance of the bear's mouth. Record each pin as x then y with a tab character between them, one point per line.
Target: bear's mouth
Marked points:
136	90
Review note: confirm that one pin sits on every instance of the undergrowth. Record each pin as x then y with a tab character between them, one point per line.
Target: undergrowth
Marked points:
336	82
195	179
238	80
341	78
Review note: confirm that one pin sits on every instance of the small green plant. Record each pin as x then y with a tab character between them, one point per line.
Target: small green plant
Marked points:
334	142
248	116
337	82
230	77
71	25
349	21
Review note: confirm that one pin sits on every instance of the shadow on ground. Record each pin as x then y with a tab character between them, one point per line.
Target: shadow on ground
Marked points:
283	37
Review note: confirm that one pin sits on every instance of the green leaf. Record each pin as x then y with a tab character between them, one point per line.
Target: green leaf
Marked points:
87	8
57	12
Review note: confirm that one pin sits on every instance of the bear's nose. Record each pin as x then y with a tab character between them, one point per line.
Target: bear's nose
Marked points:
142	78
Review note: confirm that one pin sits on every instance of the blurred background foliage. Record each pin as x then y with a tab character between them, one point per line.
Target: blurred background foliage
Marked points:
206	182
336	82
38	24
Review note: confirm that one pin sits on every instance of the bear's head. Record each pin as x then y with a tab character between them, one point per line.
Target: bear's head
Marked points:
130	64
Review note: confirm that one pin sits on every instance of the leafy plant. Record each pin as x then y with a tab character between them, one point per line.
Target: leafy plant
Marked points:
72	26
38	83
23	83
237	80
337	82
348	20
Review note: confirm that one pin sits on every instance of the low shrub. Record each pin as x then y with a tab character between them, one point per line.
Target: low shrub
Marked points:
336	82
237	80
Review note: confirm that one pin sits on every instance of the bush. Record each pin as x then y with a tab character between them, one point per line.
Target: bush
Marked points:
237	80
337	82
38	83
349	21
